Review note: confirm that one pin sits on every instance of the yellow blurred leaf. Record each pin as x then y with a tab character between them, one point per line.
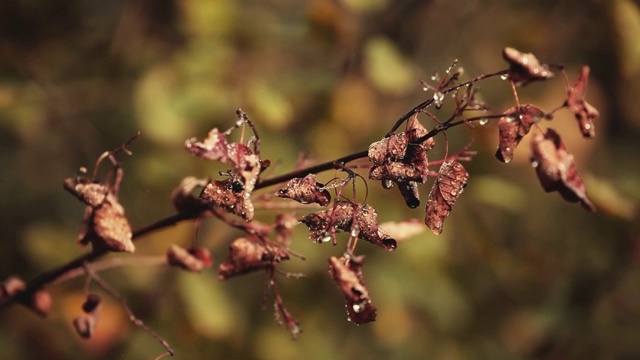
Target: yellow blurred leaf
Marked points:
388	69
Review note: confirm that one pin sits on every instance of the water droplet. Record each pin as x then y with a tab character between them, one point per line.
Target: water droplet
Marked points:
535	163
357	308
438	97
424	88
434	78
510	119
325	239
504	77
483	121
587	126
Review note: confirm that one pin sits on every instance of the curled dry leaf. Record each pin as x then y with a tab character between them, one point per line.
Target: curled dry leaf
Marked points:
194	259
347	273
111	227
583	111
556	169
231	195
347	216
90	192
85	324
214	147
402	160
105	224
183	197
513	126
452	178
525	67
305	191
247	254
38	301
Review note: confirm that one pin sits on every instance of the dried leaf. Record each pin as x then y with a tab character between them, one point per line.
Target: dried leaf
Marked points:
306	191
583	111
513	126
250	254
231	195
556	169
111	227
347	216
213	147
525	67
88	191
347	274
452	178
194	259
183	197
84	326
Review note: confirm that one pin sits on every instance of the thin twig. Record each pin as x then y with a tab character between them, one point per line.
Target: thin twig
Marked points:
116	295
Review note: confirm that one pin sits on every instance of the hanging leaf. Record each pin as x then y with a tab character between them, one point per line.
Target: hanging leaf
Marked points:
525	67
347	216
452	178
556	169
347	273
250	254
513	126
306	191
583	111
194	259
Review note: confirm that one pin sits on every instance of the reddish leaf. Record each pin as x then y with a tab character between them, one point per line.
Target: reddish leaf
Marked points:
513	126
39	301
250	254
231	195
556	169
583	111
305	191
525	67
402	160
183	197
194	259
85	326
347	273
347	216
452	178
213	147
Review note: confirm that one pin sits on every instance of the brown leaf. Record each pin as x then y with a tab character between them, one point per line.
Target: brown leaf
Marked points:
183	197
525	67
513	126
306	191
347	274
347	216
194	259
231	195
85	326
250	254
88	191
583	111
556	169
452	178
111	227
39	301
213	147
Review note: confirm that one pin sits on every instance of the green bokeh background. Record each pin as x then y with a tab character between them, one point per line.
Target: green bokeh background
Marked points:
517	273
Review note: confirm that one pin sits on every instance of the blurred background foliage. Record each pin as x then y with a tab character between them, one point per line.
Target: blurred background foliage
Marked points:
517	273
